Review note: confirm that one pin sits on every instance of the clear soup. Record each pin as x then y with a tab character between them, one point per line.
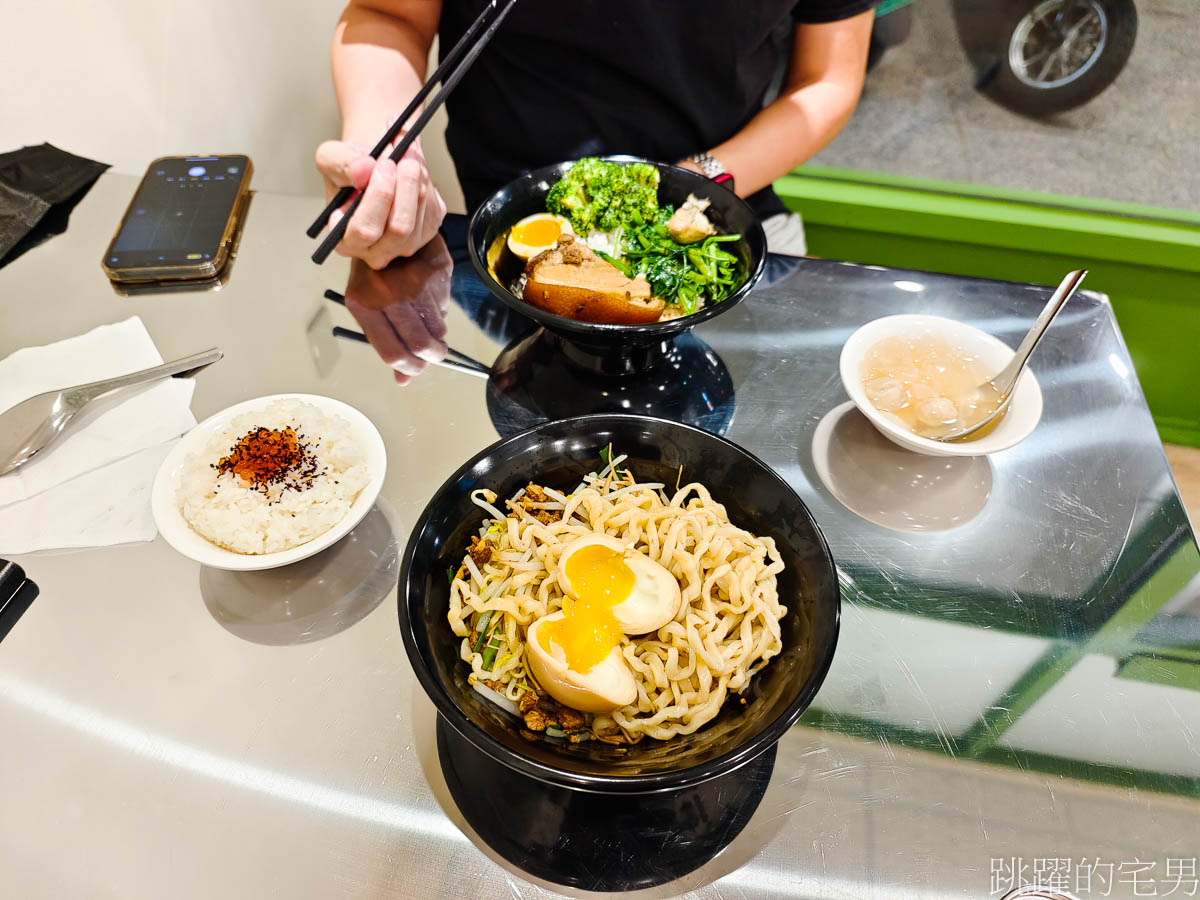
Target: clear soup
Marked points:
930	385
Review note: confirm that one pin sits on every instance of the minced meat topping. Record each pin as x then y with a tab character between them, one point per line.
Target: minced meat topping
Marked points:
535	494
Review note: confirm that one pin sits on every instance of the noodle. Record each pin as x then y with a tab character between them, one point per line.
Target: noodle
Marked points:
727	627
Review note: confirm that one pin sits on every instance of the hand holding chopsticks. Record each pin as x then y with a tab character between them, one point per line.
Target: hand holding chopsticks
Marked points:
450	72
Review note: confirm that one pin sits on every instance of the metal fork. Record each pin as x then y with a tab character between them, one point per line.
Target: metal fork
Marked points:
31	425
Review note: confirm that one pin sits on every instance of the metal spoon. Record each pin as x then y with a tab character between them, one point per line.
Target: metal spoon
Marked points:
32	424
1001	386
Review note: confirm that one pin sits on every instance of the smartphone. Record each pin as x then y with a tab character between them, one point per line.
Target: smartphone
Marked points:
182	221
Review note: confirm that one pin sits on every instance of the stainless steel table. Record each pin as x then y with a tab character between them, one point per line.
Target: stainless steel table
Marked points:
1014	696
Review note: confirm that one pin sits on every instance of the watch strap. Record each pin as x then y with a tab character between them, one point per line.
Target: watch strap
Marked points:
712	168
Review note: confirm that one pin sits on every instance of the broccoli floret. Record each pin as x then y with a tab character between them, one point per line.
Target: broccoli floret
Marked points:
569	197
642	174
598	194
595	173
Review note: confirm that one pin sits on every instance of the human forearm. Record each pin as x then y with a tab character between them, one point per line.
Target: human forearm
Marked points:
785	134
821	91
379	57
379	54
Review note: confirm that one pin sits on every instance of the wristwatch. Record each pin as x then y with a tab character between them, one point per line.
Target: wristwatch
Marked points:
711	166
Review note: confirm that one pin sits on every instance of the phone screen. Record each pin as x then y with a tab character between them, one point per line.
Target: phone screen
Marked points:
179	212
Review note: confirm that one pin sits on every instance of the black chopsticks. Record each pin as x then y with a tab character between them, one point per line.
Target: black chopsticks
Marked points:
463	363
460	59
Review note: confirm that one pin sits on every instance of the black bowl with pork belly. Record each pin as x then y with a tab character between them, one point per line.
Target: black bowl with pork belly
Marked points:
526	195
558	454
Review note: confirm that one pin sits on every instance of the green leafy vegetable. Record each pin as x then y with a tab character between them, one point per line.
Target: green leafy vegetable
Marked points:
682	273
605	195
625	268
601	195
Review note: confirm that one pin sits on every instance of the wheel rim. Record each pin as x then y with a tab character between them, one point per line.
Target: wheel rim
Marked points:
1057	42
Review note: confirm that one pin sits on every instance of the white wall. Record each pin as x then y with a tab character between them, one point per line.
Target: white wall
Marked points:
125	81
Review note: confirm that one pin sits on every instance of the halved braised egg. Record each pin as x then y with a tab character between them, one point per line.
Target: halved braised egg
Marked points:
579	663
603	572
537	233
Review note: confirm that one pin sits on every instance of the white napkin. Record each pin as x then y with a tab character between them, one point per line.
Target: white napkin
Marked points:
110	501
110	505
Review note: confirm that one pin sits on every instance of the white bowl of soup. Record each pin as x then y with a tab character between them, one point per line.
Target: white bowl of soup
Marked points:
911	376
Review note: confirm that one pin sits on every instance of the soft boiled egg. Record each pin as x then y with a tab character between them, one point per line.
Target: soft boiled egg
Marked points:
580	667
611	591
537	233
603	573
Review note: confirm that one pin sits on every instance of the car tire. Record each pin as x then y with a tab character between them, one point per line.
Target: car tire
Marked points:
1003	40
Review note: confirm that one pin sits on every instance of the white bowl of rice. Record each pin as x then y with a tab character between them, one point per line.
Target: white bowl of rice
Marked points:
269	481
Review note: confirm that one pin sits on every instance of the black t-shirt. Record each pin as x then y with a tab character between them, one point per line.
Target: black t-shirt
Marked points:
661	79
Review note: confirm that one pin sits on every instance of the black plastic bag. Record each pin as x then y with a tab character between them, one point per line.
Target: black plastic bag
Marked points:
39	186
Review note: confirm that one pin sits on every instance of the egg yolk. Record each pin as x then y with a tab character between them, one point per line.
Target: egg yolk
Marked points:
588	630
538	233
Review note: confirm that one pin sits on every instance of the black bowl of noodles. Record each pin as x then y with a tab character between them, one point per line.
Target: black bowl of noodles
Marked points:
558	455
525	196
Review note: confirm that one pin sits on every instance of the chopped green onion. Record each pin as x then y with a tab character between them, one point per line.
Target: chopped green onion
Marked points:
483	620
489	653
483	634
606	457
450	574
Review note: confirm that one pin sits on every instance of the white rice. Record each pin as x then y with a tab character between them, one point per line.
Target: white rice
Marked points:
228	511
605	241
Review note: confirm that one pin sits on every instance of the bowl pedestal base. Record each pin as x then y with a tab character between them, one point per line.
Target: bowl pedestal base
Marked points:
598	842
542	376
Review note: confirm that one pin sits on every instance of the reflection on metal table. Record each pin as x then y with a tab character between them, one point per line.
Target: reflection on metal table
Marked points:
1014	698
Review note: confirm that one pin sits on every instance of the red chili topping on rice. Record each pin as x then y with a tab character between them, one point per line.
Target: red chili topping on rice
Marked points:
267	456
